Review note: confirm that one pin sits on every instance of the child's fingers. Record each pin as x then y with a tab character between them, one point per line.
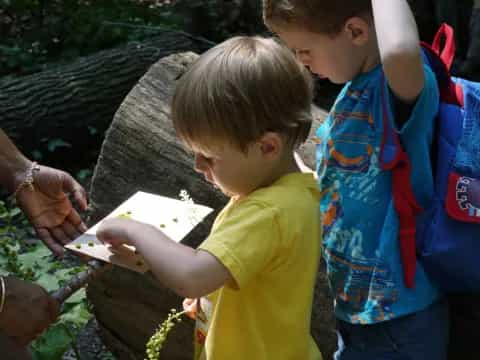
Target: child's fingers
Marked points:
191	314
190	308
114	231
188	302
107	236
103	235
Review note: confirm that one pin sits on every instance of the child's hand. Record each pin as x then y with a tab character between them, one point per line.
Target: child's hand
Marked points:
190	307
115	231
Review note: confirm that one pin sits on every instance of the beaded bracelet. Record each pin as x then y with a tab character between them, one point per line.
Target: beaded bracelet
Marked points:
28	182
4	293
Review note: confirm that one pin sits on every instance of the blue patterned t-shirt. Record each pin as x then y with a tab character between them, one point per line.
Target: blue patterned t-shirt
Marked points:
360	224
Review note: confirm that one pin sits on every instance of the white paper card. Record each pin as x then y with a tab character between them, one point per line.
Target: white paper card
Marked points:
176	218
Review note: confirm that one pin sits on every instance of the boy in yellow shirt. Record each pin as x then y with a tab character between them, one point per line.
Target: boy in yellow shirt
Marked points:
242	108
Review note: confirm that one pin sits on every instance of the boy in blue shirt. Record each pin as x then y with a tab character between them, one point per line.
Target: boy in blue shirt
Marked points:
373	47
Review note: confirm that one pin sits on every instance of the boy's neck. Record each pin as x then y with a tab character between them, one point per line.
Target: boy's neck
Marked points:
371	62
286	165
372	57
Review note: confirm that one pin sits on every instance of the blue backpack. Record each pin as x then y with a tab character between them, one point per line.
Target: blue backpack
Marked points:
445	237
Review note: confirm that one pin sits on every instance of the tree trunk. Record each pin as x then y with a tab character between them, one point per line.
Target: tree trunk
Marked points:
141	152
76	102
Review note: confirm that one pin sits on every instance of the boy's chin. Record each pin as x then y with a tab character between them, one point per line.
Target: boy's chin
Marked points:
332	80
222	190
227	193
338	81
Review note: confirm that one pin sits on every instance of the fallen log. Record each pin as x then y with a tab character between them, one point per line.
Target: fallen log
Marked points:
76	102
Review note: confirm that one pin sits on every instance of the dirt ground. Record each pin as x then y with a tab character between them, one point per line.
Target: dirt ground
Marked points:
89	345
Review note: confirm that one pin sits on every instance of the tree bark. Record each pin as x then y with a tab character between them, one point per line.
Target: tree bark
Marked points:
76	102
141	152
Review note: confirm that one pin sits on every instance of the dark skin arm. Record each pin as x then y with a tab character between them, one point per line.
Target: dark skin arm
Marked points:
27	312
28	309
48	207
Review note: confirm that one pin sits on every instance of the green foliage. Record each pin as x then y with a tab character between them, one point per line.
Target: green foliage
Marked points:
35	263
107	356
52	151
83	175
35	32
56	143
60	336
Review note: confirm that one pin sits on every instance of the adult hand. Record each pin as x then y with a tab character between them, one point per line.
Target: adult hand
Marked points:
12	350
27	312
49	209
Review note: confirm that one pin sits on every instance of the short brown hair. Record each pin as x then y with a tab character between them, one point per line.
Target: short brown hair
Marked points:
322	16
241	89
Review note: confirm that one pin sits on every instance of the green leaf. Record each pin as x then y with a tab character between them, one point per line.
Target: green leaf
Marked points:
77	316
92	130
15	211
56	143
48	281
107	356
53	344
38	258
37	155
63	274
77	297
83	174
60	336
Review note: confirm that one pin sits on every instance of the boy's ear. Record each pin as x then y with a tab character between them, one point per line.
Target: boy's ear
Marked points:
271	144
357	30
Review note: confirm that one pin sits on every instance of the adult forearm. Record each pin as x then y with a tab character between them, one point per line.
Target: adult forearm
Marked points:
13	164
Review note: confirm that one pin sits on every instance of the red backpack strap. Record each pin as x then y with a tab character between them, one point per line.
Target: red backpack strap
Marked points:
447	54
440	61
394	158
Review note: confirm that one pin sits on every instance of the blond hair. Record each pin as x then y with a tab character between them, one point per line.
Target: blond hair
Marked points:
241	89
321	16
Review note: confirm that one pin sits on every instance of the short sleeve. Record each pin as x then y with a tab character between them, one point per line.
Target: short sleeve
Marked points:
245	241
425	108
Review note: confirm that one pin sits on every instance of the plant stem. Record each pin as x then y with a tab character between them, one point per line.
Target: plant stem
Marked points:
95	267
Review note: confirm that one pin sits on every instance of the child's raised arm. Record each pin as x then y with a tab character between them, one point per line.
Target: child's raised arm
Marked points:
188	272
400	52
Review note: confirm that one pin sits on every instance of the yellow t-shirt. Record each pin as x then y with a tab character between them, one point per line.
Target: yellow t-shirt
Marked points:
270	243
